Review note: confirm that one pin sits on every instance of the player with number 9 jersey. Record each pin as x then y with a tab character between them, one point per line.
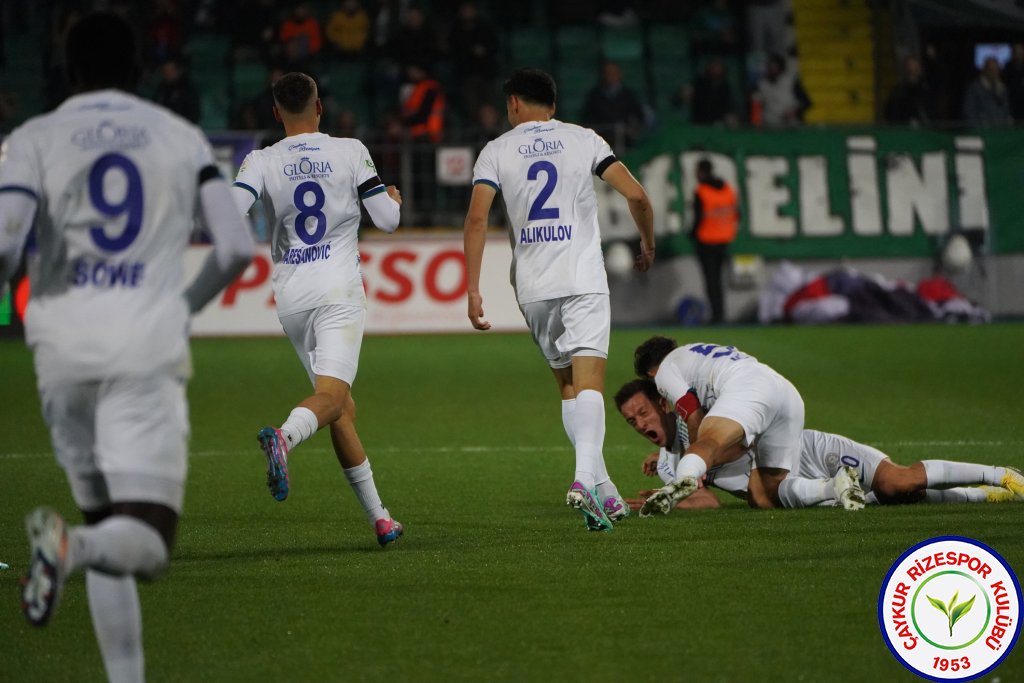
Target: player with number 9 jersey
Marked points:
115	180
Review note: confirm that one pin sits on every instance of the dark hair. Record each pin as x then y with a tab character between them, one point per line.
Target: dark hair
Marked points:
294	91
650	354
532	85
704	165
101	53
645	386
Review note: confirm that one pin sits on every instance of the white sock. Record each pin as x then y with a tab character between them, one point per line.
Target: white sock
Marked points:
957	495
588	428
568	414
117	621
691	465
300	425
797	492
941	474
119	545
606	489
360	478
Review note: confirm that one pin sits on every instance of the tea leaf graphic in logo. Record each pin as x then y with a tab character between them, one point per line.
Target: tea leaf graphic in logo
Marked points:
953	612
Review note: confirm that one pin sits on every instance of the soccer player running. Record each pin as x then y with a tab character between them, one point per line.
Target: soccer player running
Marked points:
823	457
110	183
311	185
544	169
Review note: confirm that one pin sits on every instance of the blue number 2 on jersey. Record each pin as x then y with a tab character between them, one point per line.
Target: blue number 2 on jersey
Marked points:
537	210
716	351
131	204
307	211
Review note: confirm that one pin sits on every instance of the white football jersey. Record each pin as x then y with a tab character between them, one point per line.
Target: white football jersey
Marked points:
310	185
116	179
545	172
733	477
700	367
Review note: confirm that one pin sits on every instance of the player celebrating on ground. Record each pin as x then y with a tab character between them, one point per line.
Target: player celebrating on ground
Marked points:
823	456
748	406
311	185
544	169
111	183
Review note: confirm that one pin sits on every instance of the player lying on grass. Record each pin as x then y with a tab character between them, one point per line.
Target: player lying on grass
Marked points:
823	457
311	186
747	407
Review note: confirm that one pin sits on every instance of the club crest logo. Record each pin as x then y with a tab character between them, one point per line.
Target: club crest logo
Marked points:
949	609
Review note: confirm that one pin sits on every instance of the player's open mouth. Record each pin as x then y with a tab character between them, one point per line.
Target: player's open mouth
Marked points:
652	435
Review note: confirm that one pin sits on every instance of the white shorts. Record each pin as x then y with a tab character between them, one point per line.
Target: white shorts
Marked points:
570	326
121	440
823	454
327	340
769	409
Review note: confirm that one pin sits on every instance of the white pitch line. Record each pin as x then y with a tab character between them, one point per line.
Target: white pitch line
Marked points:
473	450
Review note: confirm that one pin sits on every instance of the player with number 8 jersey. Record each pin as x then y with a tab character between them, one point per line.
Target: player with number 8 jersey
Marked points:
545	170
311	185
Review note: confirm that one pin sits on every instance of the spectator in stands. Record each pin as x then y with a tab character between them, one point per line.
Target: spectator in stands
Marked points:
473	45
779	99
346	125
710	99
716	216
489	123
176	91
766	27
986	101
415	42
348	29
1013	76
910	101
254	30
614	109
164	32
616	13
713	28
258	112
300	34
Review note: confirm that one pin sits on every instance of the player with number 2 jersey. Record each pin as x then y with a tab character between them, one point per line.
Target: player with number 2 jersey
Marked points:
545	170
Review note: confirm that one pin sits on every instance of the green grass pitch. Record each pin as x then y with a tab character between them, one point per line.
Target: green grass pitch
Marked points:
495	579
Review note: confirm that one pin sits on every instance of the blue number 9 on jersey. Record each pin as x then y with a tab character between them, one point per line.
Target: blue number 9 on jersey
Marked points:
131	204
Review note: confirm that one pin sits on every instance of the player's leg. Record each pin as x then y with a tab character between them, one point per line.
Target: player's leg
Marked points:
352	457
894	484
586	322
127	474
942	474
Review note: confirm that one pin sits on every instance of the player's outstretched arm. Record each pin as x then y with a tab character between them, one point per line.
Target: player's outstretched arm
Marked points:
232	241
619	177
474	236
17	209
385	208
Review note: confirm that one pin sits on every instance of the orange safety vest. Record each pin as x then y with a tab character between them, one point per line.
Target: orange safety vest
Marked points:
434	125
719	217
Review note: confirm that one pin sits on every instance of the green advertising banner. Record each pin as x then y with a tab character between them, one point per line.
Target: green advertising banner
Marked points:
835	193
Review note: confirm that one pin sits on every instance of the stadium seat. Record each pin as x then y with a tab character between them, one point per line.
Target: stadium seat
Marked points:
668	42
530	46
622	44
248	79
578	44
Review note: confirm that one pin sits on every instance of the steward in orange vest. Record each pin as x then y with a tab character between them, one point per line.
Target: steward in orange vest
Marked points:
423	109
716	217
